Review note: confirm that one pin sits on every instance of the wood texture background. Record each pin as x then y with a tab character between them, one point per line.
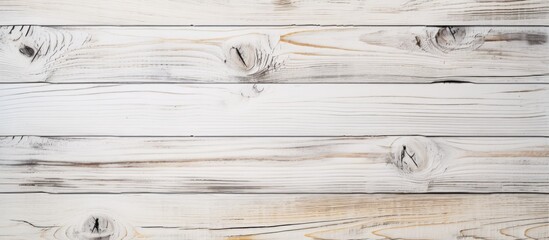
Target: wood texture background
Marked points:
286	119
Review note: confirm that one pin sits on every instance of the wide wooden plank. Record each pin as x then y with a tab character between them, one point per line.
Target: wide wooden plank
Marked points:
231	217
274	109
273	165
256	12
283	54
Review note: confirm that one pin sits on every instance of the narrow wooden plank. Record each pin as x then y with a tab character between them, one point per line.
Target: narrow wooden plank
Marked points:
276	55
231	217
274	109
255	12
274	165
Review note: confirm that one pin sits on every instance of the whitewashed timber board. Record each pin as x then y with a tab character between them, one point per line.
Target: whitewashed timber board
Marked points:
268	216
273	165
276	55
275	12
274	109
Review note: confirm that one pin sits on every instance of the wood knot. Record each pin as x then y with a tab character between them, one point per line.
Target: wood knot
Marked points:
32	52
418	156
449	39
96	226
251	56
27	51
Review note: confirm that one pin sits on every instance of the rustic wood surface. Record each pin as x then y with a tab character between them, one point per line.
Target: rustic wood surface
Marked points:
276	55
264	216
274	109
276	12
274	119
274	165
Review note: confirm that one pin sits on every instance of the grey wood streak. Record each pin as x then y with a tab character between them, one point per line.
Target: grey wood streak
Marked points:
274	165
274	109
255	217
284	54
261	12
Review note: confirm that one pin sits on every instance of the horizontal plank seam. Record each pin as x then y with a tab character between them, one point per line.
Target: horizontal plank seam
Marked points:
280	25
453	82
271	136
275	193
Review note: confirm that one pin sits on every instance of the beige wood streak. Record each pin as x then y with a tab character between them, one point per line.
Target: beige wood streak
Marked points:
267	12
249	216
274	165
274	109
276	55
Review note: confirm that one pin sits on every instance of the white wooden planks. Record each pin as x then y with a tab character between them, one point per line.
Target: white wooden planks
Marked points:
274	109
279	12
98	100
276	55
232	217
273	165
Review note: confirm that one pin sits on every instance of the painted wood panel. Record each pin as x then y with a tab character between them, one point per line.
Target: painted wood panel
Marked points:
275	55
274	109
267	12
249	216
273	165
274	119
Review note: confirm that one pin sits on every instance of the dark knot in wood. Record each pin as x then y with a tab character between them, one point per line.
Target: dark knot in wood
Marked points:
92	227
415	156
98	227
27	51
406	158
449	39
405	153
45	47
251	55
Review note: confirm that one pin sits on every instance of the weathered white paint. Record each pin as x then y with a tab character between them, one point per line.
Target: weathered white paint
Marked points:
277	55
274	12
274	165
265	216
274	109
121	80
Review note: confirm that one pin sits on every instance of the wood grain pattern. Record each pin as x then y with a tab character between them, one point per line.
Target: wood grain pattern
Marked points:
275	55
109	132
231	217
274	165
274	109
257	12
